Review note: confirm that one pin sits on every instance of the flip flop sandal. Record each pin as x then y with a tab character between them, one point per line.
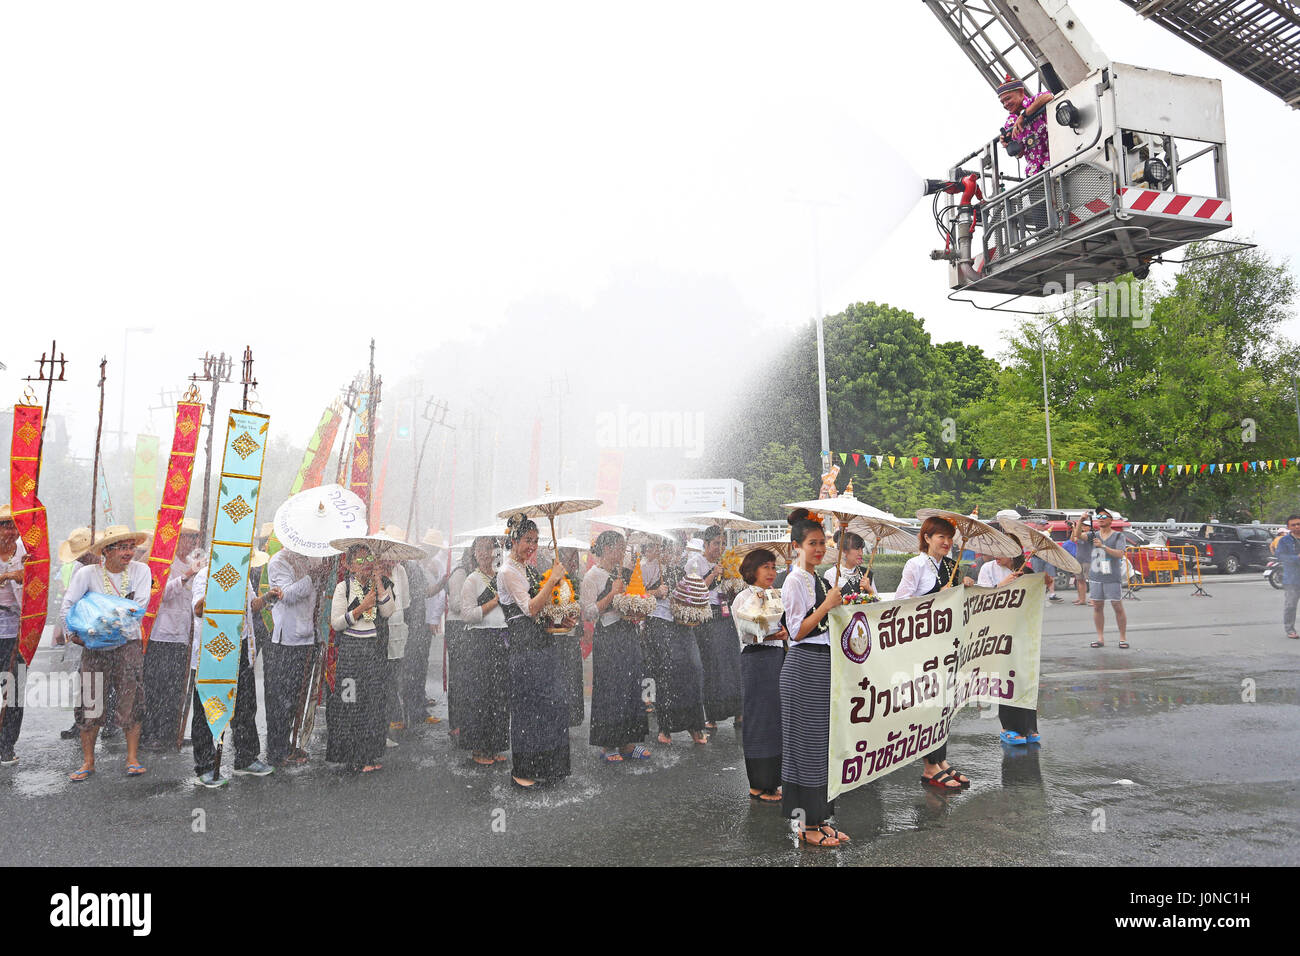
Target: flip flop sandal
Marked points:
500	758
614	757
701	740
135	770
937	781
77	776
1011	737
957	775
483	761
1096	644
639	752
766	796
1123	645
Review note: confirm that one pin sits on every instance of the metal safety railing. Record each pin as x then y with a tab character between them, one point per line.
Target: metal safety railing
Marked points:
1163	567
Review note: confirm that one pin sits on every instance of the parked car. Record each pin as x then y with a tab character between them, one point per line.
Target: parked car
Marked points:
1228	547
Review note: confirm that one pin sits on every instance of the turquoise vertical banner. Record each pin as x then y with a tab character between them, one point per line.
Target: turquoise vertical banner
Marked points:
233	531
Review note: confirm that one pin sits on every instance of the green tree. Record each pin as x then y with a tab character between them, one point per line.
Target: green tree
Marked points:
776	475
1205	380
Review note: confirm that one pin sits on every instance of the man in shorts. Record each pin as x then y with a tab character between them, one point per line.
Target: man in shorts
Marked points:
1104	570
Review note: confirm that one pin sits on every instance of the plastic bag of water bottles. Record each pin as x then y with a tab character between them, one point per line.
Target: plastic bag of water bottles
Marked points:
103	621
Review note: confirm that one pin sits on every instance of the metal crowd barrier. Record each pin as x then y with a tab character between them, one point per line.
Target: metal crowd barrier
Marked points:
1149	571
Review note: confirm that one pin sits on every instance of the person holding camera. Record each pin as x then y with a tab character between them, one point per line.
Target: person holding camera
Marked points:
1106	550
1024	135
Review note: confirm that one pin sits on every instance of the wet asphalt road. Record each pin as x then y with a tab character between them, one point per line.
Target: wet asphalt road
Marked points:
1150	756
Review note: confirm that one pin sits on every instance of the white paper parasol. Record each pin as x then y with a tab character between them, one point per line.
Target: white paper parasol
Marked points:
550	505
382	547
844	508
497	530
726	520
880	533
307	522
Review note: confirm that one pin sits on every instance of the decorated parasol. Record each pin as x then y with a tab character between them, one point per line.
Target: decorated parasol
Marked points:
727	520
382	546
307	522
550	505
974	534
497	530
1041	545
843	508
784	550
882	533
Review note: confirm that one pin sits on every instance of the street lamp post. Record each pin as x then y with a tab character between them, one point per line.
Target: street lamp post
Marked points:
1047	411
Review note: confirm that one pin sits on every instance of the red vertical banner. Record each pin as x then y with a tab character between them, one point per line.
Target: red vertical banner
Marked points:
176	495
316	470
29	518
377	511
359	481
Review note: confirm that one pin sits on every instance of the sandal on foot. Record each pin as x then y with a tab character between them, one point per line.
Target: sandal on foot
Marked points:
665	740
1011	737
135	770
79	775
702	739
710	725
372	768
1096	644
614	757
812	836
960	777
500	758
1123	645
830	831
483	761
523	786
1034	738
940	781
639	752
765	796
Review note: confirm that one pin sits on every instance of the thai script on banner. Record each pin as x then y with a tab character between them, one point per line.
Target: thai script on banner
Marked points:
902	670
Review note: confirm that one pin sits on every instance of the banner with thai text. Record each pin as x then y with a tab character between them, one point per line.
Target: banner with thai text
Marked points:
902	670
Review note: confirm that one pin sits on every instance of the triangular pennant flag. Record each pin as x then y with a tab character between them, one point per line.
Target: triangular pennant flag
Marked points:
1203	468
843	458
1071	465
891	461
915	459
1033	463
1211	469
856	458
1162	469
927	462
1127	469
981	464
949	461
867	459
969	462
1024	463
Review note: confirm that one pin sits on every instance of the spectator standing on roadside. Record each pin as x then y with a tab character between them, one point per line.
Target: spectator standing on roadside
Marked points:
1288	556
1104	568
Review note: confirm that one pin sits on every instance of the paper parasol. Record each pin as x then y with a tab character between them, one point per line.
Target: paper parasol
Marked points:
726	520
307	522
844	508
1041	545
382	547
784	550
976	535
550	505
497	530
566	542
633	523
881	533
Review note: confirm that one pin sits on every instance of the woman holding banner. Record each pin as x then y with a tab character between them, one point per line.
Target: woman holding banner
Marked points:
762	630
1019	724
806	687
930	572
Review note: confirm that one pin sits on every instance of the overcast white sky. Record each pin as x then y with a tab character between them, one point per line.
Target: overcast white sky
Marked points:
299	176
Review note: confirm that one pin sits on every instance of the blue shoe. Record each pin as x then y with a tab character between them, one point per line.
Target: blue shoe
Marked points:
211	780
1011	737
256	769
1035	738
